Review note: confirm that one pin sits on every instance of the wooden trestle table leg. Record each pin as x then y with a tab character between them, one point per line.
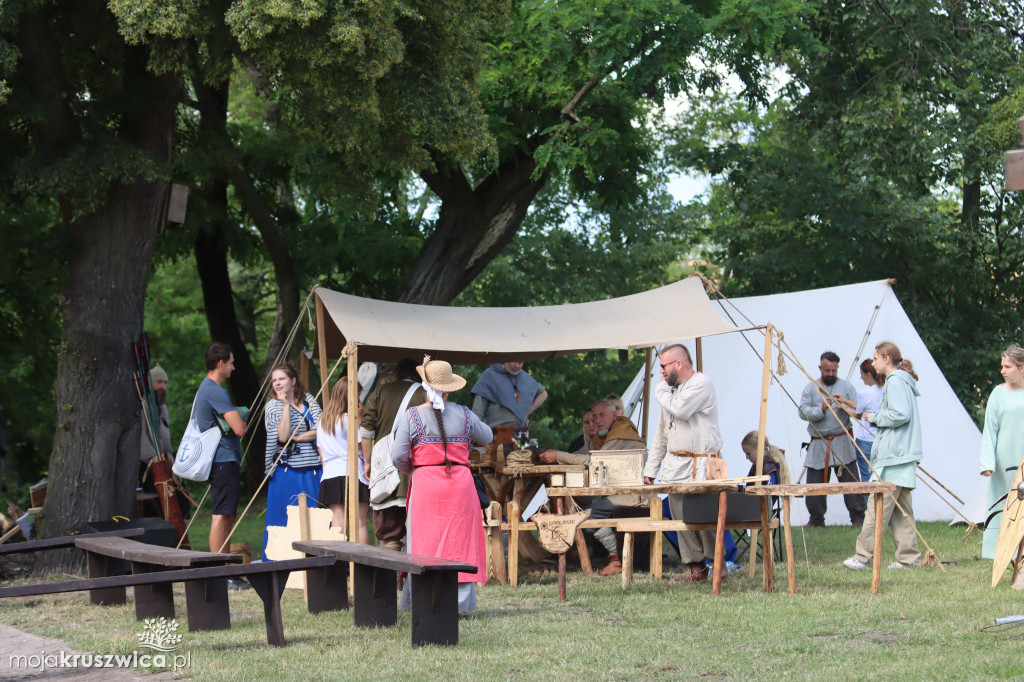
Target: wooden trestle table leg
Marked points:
656	539
513	544
560	507
790	567
581	549
766	538
876	564
716	569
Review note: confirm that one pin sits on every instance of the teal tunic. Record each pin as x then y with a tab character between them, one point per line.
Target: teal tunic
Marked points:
1002	447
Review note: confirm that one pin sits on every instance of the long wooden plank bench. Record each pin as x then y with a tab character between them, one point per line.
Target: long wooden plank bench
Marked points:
67	541
268	578
206	600
433	586
640	525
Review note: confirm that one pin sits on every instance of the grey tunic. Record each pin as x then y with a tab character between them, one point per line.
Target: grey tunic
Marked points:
825	424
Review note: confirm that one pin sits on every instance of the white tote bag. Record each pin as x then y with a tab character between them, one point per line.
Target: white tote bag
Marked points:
194	457
384	477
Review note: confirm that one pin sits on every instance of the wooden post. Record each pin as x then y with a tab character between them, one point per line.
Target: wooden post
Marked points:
321	342
656	539
719	563
876	564
352	501
762	424
304	535
790	562
700	353
513	543
560	508
646	412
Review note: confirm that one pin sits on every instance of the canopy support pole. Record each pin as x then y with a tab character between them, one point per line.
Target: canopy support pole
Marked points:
646	413
700	356
321	342
766	539
353	433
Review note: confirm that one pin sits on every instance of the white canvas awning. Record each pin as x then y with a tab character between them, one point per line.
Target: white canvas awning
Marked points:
387	331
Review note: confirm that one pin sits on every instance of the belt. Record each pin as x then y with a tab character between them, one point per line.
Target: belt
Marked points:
828	449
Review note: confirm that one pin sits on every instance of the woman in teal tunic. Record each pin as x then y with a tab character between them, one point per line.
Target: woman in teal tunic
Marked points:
1002	442
894	458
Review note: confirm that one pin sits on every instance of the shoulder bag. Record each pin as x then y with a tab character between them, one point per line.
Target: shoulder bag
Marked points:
384	478
194	457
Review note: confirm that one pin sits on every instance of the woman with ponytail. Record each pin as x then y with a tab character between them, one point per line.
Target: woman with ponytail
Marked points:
432	442
894	458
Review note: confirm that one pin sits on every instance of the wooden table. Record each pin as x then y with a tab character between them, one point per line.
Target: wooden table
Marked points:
721	487
525	480
875	488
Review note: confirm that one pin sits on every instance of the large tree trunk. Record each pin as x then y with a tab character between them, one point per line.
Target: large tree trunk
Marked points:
473	226
94	463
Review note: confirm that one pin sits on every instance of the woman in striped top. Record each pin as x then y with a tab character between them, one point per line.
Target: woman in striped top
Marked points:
296	468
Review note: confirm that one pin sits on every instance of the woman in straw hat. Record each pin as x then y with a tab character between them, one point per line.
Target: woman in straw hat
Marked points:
432	442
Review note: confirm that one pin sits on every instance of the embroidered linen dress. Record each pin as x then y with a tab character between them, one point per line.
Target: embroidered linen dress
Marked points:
445	519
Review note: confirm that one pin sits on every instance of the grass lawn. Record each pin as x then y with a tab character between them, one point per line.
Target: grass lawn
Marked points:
923	625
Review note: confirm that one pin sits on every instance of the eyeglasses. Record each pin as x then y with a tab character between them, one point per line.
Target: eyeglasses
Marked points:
665	366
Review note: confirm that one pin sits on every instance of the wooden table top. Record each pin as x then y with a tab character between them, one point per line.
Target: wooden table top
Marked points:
686	488
540	469
806	489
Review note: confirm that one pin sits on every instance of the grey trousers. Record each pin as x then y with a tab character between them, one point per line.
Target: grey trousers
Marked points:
817	504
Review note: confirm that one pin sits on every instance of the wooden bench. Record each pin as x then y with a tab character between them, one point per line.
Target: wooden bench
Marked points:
66	541
433	585
206	600
639	525
268	579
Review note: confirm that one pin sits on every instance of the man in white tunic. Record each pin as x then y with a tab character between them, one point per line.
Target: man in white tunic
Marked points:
688	426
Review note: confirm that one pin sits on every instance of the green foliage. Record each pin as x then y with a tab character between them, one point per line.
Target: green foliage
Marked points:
881	158
31	272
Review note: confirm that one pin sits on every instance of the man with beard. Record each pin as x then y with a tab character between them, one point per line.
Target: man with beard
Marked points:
831	445
146	451
688	426
613	433
505	395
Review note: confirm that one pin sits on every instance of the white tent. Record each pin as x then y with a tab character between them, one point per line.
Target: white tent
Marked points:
849	320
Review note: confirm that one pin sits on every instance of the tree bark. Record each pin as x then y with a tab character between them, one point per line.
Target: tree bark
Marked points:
472	228
93	467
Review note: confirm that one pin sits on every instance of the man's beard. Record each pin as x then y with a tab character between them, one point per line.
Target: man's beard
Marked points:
603	432
672	378
161	397
828	381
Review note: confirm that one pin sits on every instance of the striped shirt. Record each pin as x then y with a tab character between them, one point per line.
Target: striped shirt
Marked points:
300	455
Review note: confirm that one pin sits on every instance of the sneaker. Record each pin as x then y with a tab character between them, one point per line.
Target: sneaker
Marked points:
238	584
896	564
853	563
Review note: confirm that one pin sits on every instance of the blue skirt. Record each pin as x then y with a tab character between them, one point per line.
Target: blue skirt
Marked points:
283	490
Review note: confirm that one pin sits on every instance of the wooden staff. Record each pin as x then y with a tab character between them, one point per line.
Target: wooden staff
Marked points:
939	483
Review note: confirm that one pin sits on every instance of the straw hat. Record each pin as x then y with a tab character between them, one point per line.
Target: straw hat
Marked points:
438	375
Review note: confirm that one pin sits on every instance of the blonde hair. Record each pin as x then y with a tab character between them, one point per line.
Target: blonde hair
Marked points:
337	406
892	351
773	453
1014	354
